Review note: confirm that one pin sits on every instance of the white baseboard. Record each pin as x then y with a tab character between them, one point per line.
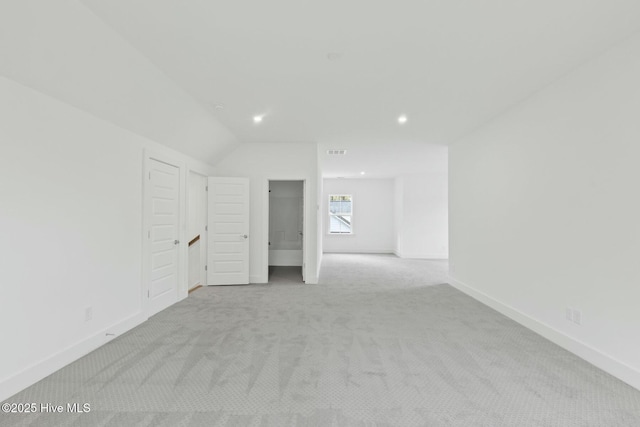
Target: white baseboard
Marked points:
420	256
258	278
607	363
34	373
359	251
311	280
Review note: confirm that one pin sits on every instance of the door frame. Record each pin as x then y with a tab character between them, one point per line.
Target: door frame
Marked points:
265	225
204	233
181	291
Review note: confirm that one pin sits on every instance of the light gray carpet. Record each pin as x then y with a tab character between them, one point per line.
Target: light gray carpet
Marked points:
380	342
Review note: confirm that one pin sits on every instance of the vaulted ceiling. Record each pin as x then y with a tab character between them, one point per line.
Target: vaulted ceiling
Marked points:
334	72
337	71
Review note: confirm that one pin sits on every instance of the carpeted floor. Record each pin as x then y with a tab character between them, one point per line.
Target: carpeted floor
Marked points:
381	341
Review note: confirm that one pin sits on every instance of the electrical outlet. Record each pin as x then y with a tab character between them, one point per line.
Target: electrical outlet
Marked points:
88	314
569	314
577	317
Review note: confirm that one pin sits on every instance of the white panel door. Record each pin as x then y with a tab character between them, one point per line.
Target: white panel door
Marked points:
228	213
164	183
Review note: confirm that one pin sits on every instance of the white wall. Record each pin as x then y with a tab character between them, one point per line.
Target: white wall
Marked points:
545	210
262	162
373	219
197	204
195	267
421	223
71	226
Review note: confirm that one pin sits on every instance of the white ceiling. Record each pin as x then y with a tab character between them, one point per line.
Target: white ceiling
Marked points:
449	65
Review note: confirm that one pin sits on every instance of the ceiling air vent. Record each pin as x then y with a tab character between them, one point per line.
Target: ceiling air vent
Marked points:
336	152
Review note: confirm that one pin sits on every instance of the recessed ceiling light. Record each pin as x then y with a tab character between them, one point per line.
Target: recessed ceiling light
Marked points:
257	119
402	119
362	173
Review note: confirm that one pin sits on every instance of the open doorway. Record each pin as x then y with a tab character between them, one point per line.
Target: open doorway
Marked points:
286	236
197	230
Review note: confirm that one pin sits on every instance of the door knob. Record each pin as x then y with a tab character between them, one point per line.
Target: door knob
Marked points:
244	236
176	242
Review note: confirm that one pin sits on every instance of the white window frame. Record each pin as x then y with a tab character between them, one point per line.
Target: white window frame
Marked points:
329	232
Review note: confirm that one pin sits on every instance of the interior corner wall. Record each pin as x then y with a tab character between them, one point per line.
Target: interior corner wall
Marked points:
398	213
421	215
318	203
373	220
71	223
544	207
261	162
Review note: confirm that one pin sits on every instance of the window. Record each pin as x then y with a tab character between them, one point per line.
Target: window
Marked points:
340	214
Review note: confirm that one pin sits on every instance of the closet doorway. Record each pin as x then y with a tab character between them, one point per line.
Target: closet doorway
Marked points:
286	235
